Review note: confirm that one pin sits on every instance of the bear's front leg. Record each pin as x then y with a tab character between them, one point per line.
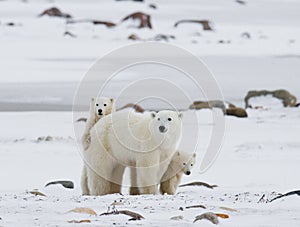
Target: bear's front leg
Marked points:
97	184
134	190
147	169
117	178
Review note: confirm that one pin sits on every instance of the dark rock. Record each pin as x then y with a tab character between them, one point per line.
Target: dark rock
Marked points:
206	25
81	119
236	111
136	107
198	105
134	37
143	18
64	183
55	12
152	6
162	37
287	98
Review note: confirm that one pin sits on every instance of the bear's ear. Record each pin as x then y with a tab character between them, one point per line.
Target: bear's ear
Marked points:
180	115
177	153
194	155
92	99
153	114
112	100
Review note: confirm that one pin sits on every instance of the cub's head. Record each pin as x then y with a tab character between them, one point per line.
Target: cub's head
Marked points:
166	122
186	161
102	106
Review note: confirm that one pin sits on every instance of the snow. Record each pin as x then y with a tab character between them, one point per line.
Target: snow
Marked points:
40	71
260	155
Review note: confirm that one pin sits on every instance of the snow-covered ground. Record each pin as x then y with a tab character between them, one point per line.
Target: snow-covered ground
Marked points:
260	155
40	70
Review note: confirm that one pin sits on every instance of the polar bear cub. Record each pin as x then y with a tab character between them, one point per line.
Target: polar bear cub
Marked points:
181	163
129	139
99	107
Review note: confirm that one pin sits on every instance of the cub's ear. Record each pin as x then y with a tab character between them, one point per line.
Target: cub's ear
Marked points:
194	155
177	153
153	114
92	99
180	115
112	100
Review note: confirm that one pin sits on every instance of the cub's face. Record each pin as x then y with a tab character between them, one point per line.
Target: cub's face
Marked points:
102	106
187	165
166	121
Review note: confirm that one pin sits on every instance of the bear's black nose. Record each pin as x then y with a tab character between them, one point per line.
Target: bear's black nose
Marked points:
162	128
99	111
188	172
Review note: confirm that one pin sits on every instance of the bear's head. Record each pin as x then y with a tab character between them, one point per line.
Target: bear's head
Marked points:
166	121
166	124
187	163
183	162
102	106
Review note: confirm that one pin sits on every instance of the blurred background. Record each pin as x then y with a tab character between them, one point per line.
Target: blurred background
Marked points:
46	46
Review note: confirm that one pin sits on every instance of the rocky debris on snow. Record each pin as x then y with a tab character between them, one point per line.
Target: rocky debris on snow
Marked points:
51	138
195	206
286	194
197	183
136	107
80	221
12	24
152	6
224	216
288	100
228	209
163	37
143	18
212	217
117	203
177	218
134	216
237	112
158	37
67	33
134	37
206	24
55	12
83	210
108	24
64	183
241	2
83	119
246	35
37	193
224	41
198	105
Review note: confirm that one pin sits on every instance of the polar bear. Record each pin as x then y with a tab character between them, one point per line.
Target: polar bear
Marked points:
181	163
99	107
143	142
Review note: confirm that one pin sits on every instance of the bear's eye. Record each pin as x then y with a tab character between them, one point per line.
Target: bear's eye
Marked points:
192	164
169	119
158	119
97	104
184	164
104	104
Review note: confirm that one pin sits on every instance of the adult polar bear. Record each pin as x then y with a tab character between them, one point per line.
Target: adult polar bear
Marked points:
144	142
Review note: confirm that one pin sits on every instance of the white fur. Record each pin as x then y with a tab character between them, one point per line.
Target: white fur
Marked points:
107	106
129	139
182	163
